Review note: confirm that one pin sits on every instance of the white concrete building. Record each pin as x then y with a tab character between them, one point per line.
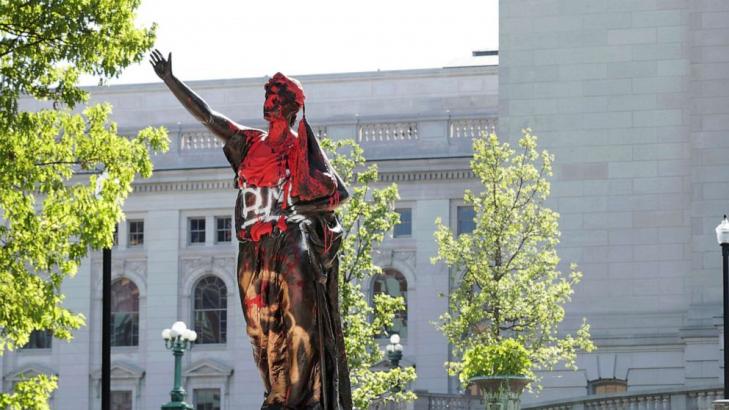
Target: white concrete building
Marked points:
415	124
630	95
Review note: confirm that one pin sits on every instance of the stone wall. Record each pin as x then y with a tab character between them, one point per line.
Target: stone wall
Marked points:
632	98
431	169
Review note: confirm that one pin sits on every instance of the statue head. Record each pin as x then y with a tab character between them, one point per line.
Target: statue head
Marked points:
284	98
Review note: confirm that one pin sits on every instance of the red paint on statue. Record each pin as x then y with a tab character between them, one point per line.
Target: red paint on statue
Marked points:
281	224
264	165
260	229
308	183
256	301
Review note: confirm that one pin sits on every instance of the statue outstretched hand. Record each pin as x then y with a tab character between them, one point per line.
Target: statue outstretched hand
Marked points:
162	67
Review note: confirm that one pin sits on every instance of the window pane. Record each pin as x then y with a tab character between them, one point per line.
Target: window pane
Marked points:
393	283
136	233
464	220
124	329
223	229
206	399
196	230
210	314
121	400
405	227
124	296
124	313
39	339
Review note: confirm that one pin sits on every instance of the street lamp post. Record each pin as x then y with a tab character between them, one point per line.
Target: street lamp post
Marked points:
394	351
722	236
178	339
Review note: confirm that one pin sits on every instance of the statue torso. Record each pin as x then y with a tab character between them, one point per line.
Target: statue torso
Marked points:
263	203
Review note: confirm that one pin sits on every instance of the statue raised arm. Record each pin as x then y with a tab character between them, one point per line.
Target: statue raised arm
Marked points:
289	237
216	122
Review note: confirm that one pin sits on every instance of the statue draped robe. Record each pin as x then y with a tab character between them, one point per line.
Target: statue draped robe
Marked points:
289	238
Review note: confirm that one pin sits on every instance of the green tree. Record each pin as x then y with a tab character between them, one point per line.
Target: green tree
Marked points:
54	207
366	218
507	284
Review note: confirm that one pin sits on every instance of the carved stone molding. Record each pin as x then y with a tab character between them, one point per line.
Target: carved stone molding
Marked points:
24	372
137	267
383	257
194	267
402	258
443	175
27	371
209	369
134	269
185	186
121	371
193	264
229	184
224	264
406	257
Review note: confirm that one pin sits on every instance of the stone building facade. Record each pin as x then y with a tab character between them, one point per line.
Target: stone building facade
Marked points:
416	125
632	96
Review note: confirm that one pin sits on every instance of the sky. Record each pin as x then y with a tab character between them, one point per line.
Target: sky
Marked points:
215	39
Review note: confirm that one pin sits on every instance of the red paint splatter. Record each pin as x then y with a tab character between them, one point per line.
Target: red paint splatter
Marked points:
260	229
256	301
281	224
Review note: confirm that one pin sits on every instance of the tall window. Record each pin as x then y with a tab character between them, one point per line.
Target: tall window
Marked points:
393	283
210	310
464	220
115	237
206	399
136	233
121	400
223	229
124	313
405	227
196	230
39	339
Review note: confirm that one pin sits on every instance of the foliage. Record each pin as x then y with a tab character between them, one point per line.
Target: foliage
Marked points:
51	210
508	282
45	45
31	393
506	358
366	218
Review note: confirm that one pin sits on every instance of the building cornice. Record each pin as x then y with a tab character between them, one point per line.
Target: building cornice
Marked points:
184	186
328	78
228	183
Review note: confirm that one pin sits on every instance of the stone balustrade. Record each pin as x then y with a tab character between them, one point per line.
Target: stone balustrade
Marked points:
700	398
388	132
432	137
385	139
664	399
199	141
471	127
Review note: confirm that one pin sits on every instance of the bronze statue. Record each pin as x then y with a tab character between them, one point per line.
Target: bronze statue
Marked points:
289	237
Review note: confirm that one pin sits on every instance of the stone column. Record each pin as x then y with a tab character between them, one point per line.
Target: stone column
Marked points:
161	231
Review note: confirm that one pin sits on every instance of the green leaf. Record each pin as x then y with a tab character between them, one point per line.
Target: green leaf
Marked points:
51	160
366	217
508	288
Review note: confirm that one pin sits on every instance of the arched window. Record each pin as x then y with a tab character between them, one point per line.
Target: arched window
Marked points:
210	314
124	313
393	283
